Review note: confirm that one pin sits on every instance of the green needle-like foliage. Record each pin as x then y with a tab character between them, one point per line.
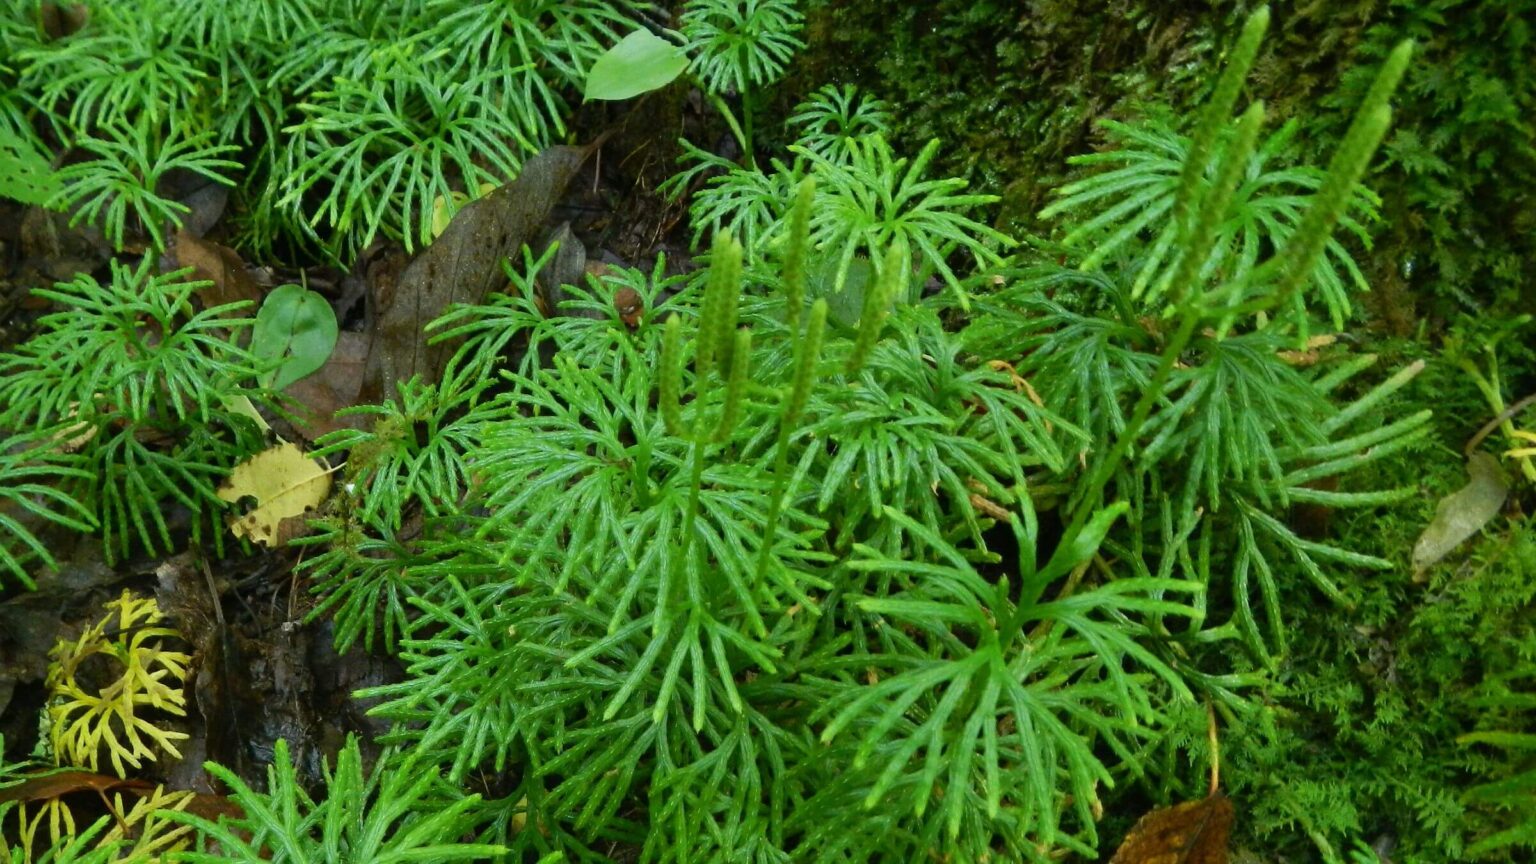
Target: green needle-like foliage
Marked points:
762	562
872	201
402	103
125	178
372	156
737	201
1127	211
529	49
390	105
647	613
590	484
14	35
920	431
133	346
125	67
739	45
833	116
1243	433
986	712
1083	364
415	459
369	574
1243	437
517	329
32	468
400	811
138	384
416	451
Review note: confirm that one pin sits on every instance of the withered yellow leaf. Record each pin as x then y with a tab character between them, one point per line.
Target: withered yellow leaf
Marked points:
284	482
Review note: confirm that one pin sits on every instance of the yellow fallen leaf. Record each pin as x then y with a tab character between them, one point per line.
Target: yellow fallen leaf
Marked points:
442	212
284	483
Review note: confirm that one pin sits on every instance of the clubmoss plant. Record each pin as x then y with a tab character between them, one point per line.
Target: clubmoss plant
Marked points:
371	156
83	847
834	115
399	811
352	138
33	470
119	189
722	570
532	49
116	715
1136	197
123	67
137	385
874	201
741	201
13	113
415	451
366	576
737	46
640	609
679	655
25	174
868	201
518	329
1254	434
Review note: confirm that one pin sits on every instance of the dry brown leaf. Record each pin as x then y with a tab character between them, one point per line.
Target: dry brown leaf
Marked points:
331	388
461	266
221	265
62	19
285	483
630	305
1194	832
44	787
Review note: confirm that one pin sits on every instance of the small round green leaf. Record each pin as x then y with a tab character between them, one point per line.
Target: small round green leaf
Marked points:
640	63
296	328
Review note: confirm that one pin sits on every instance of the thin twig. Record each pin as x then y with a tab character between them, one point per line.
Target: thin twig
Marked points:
1493	424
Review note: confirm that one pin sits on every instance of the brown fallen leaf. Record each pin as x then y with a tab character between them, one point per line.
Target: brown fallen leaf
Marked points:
1194	832
54	784
333	387
461	266
62	19
221	265
630	305
211	807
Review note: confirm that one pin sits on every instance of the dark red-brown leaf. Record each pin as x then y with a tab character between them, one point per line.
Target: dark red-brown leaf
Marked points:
45	787
461	266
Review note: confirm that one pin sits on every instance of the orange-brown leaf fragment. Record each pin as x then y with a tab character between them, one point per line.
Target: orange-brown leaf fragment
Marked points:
1194	832
53	784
